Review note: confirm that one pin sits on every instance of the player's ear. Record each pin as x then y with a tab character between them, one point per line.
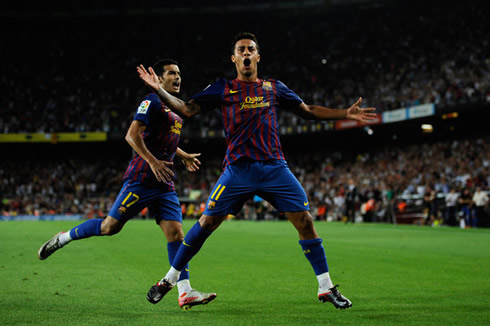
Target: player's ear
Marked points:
233	58
258	58
160	79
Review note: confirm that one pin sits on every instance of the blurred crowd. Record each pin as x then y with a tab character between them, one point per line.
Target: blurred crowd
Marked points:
441	179
78	73
379	185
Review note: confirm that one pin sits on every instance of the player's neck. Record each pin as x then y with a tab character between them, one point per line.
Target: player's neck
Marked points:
248	79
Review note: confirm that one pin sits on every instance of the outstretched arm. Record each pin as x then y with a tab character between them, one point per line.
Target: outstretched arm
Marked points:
190	161
354	112
135	140
188	109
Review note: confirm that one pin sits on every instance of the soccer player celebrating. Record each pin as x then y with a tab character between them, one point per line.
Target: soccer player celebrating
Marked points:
254	162
148	182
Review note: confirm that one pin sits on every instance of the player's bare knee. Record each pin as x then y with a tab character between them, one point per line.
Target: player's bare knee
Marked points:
211	223
303	222
109	227
172	230
306	223
174	235
109	230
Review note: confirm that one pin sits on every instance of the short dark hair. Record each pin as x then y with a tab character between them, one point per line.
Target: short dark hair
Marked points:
244	36
159	66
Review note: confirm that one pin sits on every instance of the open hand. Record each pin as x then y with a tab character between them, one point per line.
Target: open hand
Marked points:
149	77
361	114
191	162
162	171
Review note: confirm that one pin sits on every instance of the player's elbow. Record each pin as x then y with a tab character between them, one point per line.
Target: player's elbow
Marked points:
129	138
190	109
306	112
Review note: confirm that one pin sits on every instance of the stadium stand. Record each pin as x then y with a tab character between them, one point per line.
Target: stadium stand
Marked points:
76	73
81	77
385	179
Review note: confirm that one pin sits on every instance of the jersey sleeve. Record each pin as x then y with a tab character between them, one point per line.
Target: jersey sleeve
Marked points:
150	103
211	97
287	97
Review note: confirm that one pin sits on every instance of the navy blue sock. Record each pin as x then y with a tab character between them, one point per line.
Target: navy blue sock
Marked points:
86	229
315	253
172	248
193	241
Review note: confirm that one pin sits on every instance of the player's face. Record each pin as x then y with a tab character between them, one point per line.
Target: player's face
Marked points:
170	80
246	57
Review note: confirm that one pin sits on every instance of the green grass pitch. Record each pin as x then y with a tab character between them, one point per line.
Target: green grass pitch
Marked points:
394	275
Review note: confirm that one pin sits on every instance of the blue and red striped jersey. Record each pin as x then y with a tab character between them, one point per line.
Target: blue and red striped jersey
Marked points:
161	137
249	113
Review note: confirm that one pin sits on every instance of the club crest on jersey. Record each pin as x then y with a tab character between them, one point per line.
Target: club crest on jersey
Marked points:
211	204
267	86
121	210
144	107
176	127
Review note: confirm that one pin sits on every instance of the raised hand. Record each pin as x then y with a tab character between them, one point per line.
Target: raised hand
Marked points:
149	77
355	112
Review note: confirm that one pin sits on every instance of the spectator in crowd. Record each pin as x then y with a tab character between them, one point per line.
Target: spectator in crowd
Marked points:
351	198
480	201
464	202
451	209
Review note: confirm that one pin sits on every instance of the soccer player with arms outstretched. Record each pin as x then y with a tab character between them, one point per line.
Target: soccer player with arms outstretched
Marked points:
154	135
254	163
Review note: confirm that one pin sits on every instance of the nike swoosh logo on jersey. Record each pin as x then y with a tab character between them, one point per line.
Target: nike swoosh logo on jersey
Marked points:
167	110
185	244
306	203
233	92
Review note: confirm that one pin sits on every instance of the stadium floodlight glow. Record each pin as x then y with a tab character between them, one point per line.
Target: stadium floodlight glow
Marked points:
324	61
369	130
427	127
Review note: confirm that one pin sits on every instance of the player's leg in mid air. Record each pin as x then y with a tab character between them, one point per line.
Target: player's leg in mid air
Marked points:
89	228
168	214
127	205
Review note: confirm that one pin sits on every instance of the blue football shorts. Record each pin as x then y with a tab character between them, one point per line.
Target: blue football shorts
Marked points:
135	196
272	180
